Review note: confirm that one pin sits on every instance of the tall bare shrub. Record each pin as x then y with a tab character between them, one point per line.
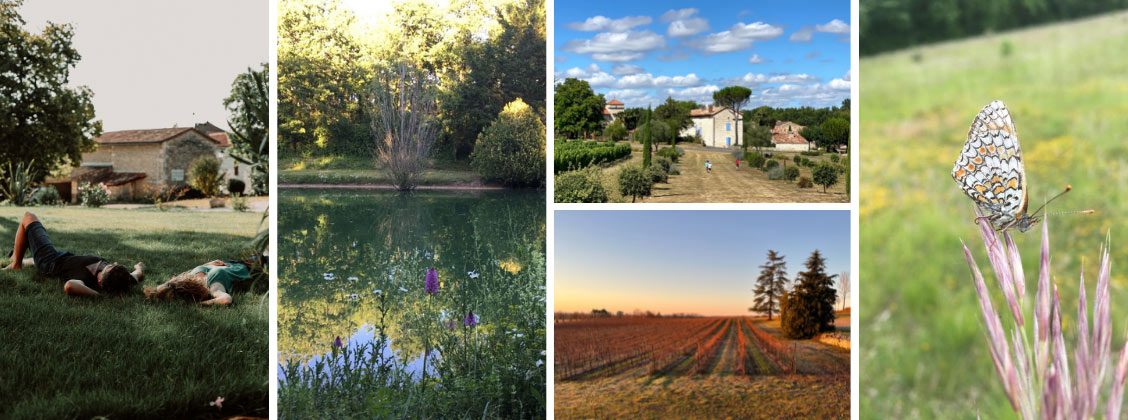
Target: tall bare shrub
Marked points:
404	125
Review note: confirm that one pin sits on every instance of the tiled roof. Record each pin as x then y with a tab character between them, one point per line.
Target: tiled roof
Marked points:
614	102
157	135
781	135
221	137
706	112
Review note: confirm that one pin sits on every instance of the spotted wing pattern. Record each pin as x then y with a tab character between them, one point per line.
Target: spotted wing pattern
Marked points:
989	169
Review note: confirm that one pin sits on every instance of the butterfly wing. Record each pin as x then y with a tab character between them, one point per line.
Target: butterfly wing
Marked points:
990	169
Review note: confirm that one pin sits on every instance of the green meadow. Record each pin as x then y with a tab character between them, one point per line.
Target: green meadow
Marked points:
923	352
123	356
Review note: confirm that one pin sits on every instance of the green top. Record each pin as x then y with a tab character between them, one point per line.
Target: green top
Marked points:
224	275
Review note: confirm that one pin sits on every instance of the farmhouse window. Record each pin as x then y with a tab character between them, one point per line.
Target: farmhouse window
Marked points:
728	126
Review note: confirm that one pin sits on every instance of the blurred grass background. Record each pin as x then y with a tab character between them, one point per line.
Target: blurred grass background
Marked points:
923	352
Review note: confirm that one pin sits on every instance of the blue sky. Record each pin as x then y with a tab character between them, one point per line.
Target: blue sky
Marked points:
701	262
790	53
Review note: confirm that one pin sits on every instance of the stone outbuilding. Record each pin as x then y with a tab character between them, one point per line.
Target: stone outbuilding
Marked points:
134	163
786	137
716	126
612	108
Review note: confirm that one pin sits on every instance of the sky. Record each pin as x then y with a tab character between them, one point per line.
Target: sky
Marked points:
156	64
790	53
702	262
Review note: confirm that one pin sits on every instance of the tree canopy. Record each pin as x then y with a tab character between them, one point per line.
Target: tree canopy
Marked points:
577	109
44	122
771	285
482	53
249	105
676	114
810	306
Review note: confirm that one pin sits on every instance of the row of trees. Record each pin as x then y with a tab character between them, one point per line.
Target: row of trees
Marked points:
475	56
893	24
579	114
806	307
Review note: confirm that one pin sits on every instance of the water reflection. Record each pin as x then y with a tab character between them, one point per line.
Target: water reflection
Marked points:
354	261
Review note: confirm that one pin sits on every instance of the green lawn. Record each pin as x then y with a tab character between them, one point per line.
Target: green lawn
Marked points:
363	170
923	352
125	357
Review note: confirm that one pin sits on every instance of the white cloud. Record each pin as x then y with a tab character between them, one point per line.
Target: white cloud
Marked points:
625	69
753	79
846	76
647	80
813	54
561	58
592	74
740	37
673	15
700	94
626	95
617	46
603	23
617	57
804	34
675	56
834	27
755	59
815	95
687	27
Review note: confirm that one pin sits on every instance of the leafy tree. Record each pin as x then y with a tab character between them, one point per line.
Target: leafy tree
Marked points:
511	150
249	105
657	132
405	131
764	116
675	114
576	108
631	117
757	136
825	174
835	131
810	306
771	285
735	97
44	123
634	182
615	131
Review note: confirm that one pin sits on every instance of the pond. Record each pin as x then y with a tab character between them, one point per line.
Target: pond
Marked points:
353	266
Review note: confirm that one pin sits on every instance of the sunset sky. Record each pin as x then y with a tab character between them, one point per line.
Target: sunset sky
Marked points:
702	262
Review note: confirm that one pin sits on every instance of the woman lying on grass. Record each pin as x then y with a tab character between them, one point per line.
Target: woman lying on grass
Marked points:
85	275
208	284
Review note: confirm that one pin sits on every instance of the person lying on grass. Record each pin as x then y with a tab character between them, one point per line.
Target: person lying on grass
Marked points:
208	284
85	275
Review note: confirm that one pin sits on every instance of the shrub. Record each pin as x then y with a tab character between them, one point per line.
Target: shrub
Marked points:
805	182
633	182
754	160
671	153
238	202
798	160
826	174
573	155
18	185
790	173
771	164
615	131
203	175
806	162
663	163
834	158
582	186
45	196
511	150
93	195
776	173
656	174
167	194
811	153
236	186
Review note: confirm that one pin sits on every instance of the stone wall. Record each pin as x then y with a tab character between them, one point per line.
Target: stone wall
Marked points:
143	157
179	152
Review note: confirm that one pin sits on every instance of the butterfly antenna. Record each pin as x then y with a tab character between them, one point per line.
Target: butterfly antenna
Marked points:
1067	188
1058	213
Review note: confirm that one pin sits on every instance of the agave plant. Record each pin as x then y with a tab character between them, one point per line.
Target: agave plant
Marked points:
1039	379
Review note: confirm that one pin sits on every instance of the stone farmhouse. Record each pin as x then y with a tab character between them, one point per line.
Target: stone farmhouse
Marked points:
611	109
786	137
228	165
715	126
133	163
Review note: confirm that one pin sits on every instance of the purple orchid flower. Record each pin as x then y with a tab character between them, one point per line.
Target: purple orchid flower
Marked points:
431	285
471	320
338	343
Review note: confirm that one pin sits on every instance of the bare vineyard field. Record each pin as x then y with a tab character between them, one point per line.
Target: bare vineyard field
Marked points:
717	361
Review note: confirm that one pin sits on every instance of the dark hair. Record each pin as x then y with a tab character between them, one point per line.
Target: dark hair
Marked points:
117	280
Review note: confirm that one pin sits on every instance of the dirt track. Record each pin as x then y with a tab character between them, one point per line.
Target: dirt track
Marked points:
728	184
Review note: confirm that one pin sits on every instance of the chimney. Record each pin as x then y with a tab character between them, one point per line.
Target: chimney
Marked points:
710	108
